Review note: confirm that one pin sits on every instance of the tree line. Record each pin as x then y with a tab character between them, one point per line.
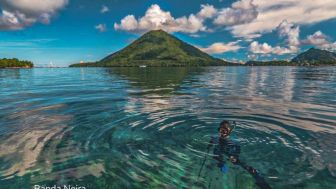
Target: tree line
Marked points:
15	63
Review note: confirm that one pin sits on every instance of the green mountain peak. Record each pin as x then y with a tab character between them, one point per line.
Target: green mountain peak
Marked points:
158	48
315	56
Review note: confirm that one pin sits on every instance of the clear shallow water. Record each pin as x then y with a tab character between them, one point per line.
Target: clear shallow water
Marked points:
149	128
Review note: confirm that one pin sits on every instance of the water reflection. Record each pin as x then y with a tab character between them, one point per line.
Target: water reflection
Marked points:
321	74
23	143
10	73
156	87
158	81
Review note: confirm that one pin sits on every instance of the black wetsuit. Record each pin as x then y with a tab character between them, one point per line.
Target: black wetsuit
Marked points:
225	146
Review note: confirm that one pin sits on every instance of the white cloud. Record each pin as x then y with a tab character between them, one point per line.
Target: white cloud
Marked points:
286	30
320	40
265	48
252	57
240	12
245	18
17	14
15	20
33	7
292	33
129	23
257	48
156	18
9	20
104	9
207	11
219	48
272	13
101	27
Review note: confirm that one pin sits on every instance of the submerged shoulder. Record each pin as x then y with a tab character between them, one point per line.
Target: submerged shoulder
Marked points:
214	139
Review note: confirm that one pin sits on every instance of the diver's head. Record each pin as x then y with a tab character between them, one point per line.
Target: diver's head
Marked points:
224	129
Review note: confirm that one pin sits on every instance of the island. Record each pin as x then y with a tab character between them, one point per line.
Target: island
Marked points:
15	63
315	57
312	57
157	48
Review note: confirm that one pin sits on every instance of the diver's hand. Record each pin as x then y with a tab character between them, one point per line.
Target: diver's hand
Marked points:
252	171
234	160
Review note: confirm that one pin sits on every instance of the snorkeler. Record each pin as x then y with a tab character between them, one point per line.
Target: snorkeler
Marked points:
225	146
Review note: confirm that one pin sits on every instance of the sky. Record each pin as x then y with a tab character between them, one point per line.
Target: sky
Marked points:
63	32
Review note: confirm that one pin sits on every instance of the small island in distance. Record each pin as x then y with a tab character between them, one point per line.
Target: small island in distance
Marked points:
312	57
160	49
15	63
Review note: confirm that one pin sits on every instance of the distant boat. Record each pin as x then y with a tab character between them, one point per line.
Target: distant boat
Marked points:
143	66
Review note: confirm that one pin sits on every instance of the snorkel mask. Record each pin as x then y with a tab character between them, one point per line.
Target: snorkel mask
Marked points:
225	128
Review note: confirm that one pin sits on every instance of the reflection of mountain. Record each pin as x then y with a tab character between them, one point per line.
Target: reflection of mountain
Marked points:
155	80
10	73
151	89
322	74
312	82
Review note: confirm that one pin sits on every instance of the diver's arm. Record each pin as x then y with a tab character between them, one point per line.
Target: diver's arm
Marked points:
260	181
233	151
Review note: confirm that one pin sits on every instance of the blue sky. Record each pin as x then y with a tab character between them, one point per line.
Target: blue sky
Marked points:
69	31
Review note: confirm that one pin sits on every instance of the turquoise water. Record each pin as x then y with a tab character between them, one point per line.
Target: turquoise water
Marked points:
149	128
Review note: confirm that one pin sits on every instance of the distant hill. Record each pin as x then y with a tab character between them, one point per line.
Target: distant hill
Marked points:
157	48
312	57
15	63
315	57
